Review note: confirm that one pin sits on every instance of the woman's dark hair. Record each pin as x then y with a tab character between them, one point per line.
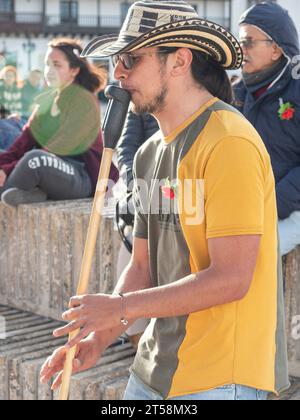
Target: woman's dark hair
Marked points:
90	77
209	74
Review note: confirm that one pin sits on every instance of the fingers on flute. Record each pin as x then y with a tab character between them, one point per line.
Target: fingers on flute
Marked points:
72	326
53	364
75	301
80	336
57	381
71	314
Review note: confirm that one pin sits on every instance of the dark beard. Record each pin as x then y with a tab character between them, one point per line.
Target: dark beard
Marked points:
157	105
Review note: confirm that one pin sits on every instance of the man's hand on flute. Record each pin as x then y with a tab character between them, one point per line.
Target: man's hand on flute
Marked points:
88	352
90	313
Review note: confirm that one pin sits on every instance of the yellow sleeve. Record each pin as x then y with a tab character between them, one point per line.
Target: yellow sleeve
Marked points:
234	189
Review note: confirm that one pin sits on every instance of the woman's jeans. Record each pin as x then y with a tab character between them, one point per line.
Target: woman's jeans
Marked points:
10	129
60	179
136	390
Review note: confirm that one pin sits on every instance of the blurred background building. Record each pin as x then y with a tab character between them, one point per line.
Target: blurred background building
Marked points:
26	26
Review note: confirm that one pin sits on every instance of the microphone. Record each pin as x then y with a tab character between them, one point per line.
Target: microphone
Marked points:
115	115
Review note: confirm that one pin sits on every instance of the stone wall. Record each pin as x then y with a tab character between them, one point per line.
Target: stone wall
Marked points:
291	271
41	249
29	341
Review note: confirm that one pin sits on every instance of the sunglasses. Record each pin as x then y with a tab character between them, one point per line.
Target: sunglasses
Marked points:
128	60
249	43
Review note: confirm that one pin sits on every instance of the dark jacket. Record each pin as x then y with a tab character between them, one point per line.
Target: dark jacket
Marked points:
137	129
281	137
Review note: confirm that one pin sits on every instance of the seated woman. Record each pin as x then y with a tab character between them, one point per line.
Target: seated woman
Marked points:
58	154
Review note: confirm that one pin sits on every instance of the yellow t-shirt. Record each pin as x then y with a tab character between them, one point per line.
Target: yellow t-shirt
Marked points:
211	177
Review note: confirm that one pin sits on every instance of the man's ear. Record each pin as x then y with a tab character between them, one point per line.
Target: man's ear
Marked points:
182	61
277	52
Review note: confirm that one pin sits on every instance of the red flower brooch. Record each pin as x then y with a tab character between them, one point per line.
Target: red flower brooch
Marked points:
286	110
169	190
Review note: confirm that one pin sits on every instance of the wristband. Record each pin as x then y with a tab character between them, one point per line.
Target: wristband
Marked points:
124	321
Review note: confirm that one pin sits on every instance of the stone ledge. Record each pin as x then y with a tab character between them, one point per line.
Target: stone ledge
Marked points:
41	250
294	369
29	342
291	272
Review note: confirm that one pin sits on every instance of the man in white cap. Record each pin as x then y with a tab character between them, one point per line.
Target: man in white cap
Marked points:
205	260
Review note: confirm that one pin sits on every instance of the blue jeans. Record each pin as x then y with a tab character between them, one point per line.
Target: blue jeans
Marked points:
289	233
10	129
136	390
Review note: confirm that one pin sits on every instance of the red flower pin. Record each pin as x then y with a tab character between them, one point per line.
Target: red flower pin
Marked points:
286	110
169	190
